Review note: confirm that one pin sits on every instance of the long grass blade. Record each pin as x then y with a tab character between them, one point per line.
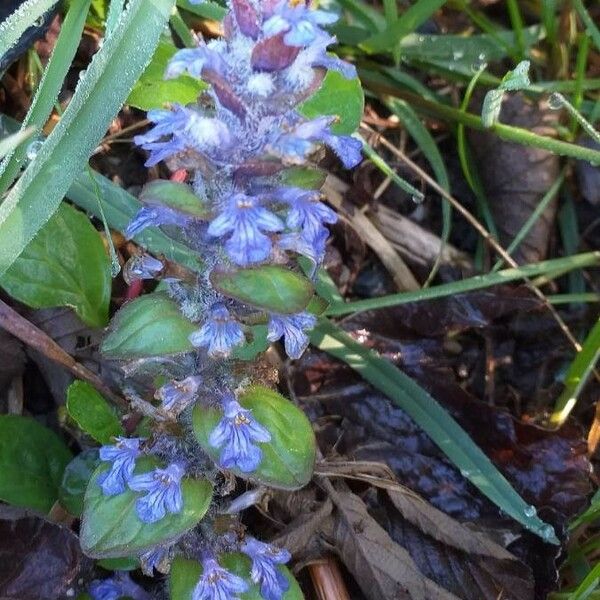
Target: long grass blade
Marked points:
50	85
434	420
98	97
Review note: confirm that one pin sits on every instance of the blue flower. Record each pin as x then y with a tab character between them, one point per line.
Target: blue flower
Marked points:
234	434
316	55
187	130
142	266
292	328
245	221
123	456
163	487
175	396
220	334
195	60
154	216
307	212
299	22
216	583
119	586
301	141
313	249
265	572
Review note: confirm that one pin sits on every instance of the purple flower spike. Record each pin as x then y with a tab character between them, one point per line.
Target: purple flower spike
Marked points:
293	329
123	456
194	61
164	492
300	23
220	334
245	221
247	17
235	434
265	572
216	583
119	586
175	396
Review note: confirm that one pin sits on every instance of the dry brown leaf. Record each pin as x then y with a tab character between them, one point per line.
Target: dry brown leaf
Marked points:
445	529
383	569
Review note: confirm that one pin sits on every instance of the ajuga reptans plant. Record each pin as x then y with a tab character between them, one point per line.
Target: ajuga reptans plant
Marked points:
253	212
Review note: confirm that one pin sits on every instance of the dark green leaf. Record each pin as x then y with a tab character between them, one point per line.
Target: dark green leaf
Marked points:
32	461
154	91
75	480
337	96
178	196
303	177
288	459
111	528
252	349
92	412
269	287
151	325
65	265
121	563
206	9
186	573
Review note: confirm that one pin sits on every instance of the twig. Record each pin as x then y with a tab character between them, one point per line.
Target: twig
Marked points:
34	337
483	232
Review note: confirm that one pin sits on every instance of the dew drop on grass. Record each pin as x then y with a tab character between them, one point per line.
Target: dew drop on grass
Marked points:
530	511
33	149
555	101
547	532
418	197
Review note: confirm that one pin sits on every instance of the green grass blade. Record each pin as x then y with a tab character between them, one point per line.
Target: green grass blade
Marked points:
206	9
389	40
590	26
50	85
577	376
588	585
434	420
8	144
555	266
114	14
12	28
118	207
99	95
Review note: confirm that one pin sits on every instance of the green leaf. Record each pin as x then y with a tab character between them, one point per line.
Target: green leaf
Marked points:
32	461
250	350
178	196
47	92
435	421
99	95
93	192
8	144
337	96
92	412
288	459
120	563
110	526
15	25
75	479
154	91
151	325
269	287
206	9
186	573
303	177
65	265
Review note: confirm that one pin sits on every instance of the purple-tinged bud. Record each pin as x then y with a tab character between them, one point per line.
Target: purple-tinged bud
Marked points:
225	93
273	54
247	18
156	559
235	434
154	216
175	396
142	266
163	487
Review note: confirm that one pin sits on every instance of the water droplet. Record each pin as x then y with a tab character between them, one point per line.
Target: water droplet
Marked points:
421	39
418	197
530	511
481	57
548	532
555	101
457	54
33	149
465	473
478	65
